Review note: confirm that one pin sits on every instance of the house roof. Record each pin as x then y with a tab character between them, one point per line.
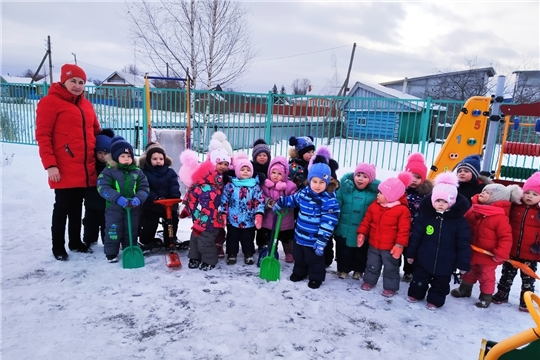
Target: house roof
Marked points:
130	79
385	92
526	71
15	79
490	71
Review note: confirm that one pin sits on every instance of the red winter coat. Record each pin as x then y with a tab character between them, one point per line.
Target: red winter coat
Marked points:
525	231
66	128
490	230
387	226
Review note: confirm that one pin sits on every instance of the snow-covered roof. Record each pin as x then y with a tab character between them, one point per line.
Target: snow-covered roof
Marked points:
489	70
129	79
15	79
416	102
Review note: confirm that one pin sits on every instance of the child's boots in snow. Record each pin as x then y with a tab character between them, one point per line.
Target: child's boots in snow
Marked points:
464	290
484	300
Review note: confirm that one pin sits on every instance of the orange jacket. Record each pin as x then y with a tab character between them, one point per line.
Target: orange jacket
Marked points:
387	226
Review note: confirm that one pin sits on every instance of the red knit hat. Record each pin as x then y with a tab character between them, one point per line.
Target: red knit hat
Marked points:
69	70
416	164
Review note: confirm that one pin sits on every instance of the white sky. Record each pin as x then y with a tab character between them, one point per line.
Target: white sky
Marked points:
292	39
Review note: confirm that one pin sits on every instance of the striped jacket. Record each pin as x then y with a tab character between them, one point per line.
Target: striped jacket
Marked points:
317	218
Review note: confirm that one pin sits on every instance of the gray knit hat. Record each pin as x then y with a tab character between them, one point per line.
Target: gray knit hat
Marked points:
498	192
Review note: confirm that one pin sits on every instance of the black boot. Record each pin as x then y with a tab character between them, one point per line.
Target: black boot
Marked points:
484	300
314	284
296	278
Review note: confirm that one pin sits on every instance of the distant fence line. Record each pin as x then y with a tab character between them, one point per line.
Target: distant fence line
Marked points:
382	125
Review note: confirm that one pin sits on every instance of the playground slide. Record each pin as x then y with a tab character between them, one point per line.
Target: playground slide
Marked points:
466	137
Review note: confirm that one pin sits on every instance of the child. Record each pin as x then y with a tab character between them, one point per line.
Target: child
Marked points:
470	180
331	189
318	215
164	184
241	210
122	184
418	190
94	205
525	223
387	225
439	242
357	191
491	231
261	159
277	184
203	200
300	155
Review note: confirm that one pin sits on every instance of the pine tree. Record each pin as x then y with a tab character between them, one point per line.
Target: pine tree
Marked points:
282	90
274	89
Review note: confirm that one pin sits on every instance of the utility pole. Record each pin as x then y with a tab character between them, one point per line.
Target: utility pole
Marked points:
50	58
47	54
346	83
167	69
75	57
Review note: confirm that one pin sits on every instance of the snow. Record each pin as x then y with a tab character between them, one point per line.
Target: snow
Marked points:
86	308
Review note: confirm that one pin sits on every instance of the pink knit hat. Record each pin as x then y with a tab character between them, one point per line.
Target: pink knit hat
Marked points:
533	183
394	188
445	188
241	160
368	169
416	164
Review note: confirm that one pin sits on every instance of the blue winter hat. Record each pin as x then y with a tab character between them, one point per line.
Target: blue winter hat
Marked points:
471	163
302	144
120	146
320	169
104	139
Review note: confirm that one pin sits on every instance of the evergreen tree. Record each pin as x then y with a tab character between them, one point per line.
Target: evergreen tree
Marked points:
282	90
274	89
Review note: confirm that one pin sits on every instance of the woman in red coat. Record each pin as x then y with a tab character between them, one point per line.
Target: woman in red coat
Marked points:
66	128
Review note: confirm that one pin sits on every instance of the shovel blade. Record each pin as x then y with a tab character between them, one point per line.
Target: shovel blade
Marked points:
270	269
173	260
132	258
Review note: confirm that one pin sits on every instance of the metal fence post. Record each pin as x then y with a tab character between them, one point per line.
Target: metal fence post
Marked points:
424	124
269	117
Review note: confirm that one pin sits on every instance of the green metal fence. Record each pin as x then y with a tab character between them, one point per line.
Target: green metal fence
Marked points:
382	131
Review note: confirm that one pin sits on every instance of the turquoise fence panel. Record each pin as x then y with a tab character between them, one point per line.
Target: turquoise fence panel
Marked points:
383	131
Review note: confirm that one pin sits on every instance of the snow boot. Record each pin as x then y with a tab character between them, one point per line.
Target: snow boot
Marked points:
314	284
194	263
295	278
500	297
484	300
464	290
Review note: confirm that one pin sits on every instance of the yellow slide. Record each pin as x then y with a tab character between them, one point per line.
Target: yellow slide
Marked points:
466	137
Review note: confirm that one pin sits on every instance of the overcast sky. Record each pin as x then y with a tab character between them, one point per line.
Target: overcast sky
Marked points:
296	39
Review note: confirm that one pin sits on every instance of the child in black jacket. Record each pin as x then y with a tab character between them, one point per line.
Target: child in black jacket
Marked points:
439	242
164	184
94	204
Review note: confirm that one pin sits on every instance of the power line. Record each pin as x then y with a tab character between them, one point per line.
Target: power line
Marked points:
302	54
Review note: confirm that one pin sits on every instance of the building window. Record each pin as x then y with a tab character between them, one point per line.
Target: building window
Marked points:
362	121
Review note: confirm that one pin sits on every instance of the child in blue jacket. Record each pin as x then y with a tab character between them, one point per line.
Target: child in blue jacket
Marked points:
317	217
439	243
242	209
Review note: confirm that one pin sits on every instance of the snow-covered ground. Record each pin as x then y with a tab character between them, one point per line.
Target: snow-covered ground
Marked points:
86	308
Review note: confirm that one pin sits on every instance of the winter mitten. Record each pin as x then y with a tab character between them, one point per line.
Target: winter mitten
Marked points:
270	203
276	207
360	240
197	229
319	247
122	201
410	260
396	251
135	202
224	220
184	213
258	221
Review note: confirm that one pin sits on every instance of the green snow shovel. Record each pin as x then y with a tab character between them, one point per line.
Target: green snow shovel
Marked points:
132	256
270	266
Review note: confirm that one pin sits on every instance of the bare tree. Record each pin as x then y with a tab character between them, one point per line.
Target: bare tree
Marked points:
131	69
30	74
301	86
208	38
461	85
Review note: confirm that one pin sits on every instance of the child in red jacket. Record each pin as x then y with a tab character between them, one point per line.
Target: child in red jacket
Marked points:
387	225
525	223
491	231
